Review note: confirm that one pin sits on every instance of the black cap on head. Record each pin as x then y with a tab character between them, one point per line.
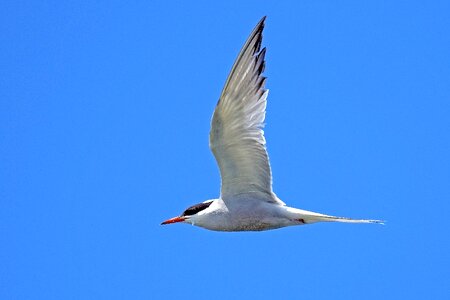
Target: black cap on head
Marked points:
196	208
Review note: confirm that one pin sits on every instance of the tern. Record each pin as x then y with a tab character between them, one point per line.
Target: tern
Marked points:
247	202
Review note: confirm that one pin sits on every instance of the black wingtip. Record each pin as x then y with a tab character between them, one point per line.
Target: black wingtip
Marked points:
257	32
260	25
263	19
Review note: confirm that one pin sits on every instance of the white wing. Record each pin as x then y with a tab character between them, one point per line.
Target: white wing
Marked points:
237	137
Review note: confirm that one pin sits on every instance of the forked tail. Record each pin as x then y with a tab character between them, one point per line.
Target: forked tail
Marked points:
309	217
326	218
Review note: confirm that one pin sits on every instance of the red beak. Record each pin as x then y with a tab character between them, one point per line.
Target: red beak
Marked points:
173	220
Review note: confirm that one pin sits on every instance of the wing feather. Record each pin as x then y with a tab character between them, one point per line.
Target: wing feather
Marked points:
237	137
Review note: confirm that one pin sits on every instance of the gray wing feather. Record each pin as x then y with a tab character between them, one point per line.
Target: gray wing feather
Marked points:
237	137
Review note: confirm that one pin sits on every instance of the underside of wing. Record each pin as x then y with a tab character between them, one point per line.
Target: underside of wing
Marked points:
237	136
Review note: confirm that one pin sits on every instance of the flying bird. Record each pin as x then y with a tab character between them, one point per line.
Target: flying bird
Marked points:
247	202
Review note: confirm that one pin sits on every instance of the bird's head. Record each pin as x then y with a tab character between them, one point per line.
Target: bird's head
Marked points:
190	214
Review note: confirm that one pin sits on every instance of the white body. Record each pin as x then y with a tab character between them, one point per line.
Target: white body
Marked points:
255	214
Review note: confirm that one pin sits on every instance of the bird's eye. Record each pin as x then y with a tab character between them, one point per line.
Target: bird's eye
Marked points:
195	209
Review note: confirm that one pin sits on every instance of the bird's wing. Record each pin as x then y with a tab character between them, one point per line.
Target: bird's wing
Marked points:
237	137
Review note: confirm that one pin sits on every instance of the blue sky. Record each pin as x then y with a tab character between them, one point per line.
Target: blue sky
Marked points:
104	119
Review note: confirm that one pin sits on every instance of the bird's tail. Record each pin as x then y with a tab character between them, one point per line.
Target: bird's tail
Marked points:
309	217
326	218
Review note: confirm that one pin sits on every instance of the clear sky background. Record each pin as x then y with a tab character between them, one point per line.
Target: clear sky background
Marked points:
104	119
